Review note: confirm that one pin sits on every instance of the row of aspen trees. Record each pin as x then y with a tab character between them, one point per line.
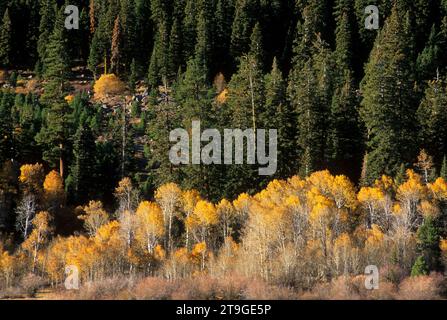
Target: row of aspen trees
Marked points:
295	232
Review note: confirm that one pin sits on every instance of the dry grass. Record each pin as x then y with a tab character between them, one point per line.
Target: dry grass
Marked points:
200	287
234	287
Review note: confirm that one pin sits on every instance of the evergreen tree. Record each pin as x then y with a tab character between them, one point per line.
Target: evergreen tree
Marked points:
388	108
344	47
47	13
308	31
144	30
189	27
401	175
160	64
246	106
128	25
345	135
428	243
279	115
243	23
53	135
27	123
5	40
429	59
176	53
256	45
6	129
100	44
432	116
196	96
310	93
224	18
133	75
419	267
443	173
81	181
204	44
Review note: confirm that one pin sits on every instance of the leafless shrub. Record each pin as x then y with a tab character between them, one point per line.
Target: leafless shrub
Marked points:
350	288
153	288
111	288
422	287
31	283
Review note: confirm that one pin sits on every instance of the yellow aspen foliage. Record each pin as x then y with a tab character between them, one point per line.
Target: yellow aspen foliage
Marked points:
322	180
385	183
439	189
95	217
124	187
126	195
242	203
375	236
397	209
56	260
226	214
39	236
222	97
443	245
199	254
409	194
370	198
69	98
320	210
293	201
342	253
108	233
296	184
82	253
150	225
203	217
412	190
181	255
108	85
274	193
315	197
199	249
206	213
53	183
159	253
31	176
342	191
7	267
169	197
224	207
109	246
344	240
428	209
189	201
54	188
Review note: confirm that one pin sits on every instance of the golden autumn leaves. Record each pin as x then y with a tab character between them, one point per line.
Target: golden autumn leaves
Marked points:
298	231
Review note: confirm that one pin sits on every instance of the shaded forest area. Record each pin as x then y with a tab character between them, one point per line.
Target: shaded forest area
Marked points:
85	117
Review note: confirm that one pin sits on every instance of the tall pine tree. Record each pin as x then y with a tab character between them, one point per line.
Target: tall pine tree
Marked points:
388	107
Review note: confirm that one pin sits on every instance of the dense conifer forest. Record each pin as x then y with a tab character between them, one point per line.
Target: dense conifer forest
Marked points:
85	174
